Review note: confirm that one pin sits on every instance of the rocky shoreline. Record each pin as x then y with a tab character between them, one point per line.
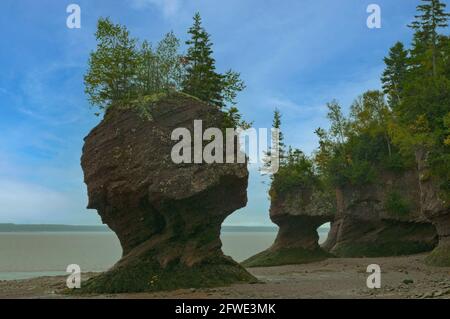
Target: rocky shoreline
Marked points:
403	277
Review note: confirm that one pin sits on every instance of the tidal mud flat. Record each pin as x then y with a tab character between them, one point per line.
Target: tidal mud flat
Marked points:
401	277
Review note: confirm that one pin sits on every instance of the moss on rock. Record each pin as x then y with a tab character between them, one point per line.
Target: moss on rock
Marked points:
285	256
440	256
146	275
374	249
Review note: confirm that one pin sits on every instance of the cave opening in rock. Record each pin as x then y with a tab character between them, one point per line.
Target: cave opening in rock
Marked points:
323	231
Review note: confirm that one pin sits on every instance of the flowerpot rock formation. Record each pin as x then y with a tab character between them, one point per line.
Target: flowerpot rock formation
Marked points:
298	213
167	216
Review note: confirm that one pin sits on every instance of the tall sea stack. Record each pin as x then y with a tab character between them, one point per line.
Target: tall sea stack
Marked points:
167	216
298	213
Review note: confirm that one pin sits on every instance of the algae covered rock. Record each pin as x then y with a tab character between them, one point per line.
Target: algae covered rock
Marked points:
436	210
167	216
298	213
381	219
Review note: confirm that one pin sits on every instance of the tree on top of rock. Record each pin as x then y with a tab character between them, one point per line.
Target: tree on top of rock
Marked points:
111	74
201	79
280	151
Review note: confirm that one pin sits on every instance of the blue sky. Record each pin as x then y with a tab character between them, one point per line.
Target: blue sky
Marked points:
293	54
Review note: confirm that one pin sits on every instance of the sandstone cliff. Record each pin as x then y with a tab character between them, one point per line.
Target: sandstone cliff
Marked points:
435	210
167	216
380	219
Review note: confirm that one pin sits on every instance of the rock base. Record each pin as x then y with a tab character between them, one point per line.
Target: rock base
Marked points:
296	243
440	256
351	238
286	256
146	275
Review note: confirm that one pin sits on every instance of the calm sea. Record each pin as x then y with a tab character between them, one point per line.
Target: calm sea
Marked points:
34	254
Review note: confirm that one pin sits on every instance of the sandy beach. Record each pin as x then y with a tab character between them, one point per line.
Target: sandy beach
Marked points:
402	277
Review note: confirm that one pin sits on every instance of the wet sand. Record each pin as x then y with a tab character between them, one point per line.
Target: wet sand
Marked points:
401	277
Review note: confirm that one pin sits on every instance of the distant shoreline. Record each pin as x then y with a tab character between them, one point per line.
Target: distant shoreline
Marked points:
22	228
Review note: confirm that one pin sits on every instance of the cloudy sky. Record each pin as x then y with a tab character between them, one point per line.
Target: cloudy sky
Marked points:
293	54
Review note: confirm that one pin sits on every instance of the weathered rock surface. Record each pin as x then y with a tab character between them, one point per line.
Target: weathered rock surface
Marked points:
298	214
381	219
167	216
435	210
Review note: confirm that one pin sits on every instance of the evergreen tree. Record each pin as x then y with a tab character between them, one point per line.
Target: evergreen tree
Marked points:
395	73
201	78
269	155
432	16
276	124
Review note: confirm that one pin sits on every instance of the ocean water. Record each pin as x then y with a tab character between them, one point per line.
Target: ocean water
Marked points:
35	254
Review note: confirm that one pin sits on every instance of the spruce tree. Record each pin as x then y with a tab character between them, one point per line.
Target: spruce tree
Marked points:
270	155
431	17
395	73
276	124
202	80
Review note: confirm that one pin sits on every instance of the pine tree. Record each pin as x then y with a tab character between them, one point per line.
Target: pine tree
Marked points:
269	155
395	73
202	80
276	124
426	25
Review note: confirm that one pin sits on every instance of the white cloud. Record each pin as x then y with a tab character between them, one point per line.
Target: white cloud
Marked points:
168	7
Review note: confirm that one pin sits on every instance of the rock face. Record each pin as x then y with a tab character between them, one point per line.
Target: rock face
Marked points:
381	219
298	214
167	216
435	210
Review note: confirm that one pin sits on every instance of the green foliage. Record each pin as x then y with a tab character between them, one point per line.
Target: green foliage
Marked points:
286	256
396	205
159	70
297	171
203	81
354	149
420	116
234	119
122	73
145	274
439	257
339	124
382	249
280	150
110	77
394	75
